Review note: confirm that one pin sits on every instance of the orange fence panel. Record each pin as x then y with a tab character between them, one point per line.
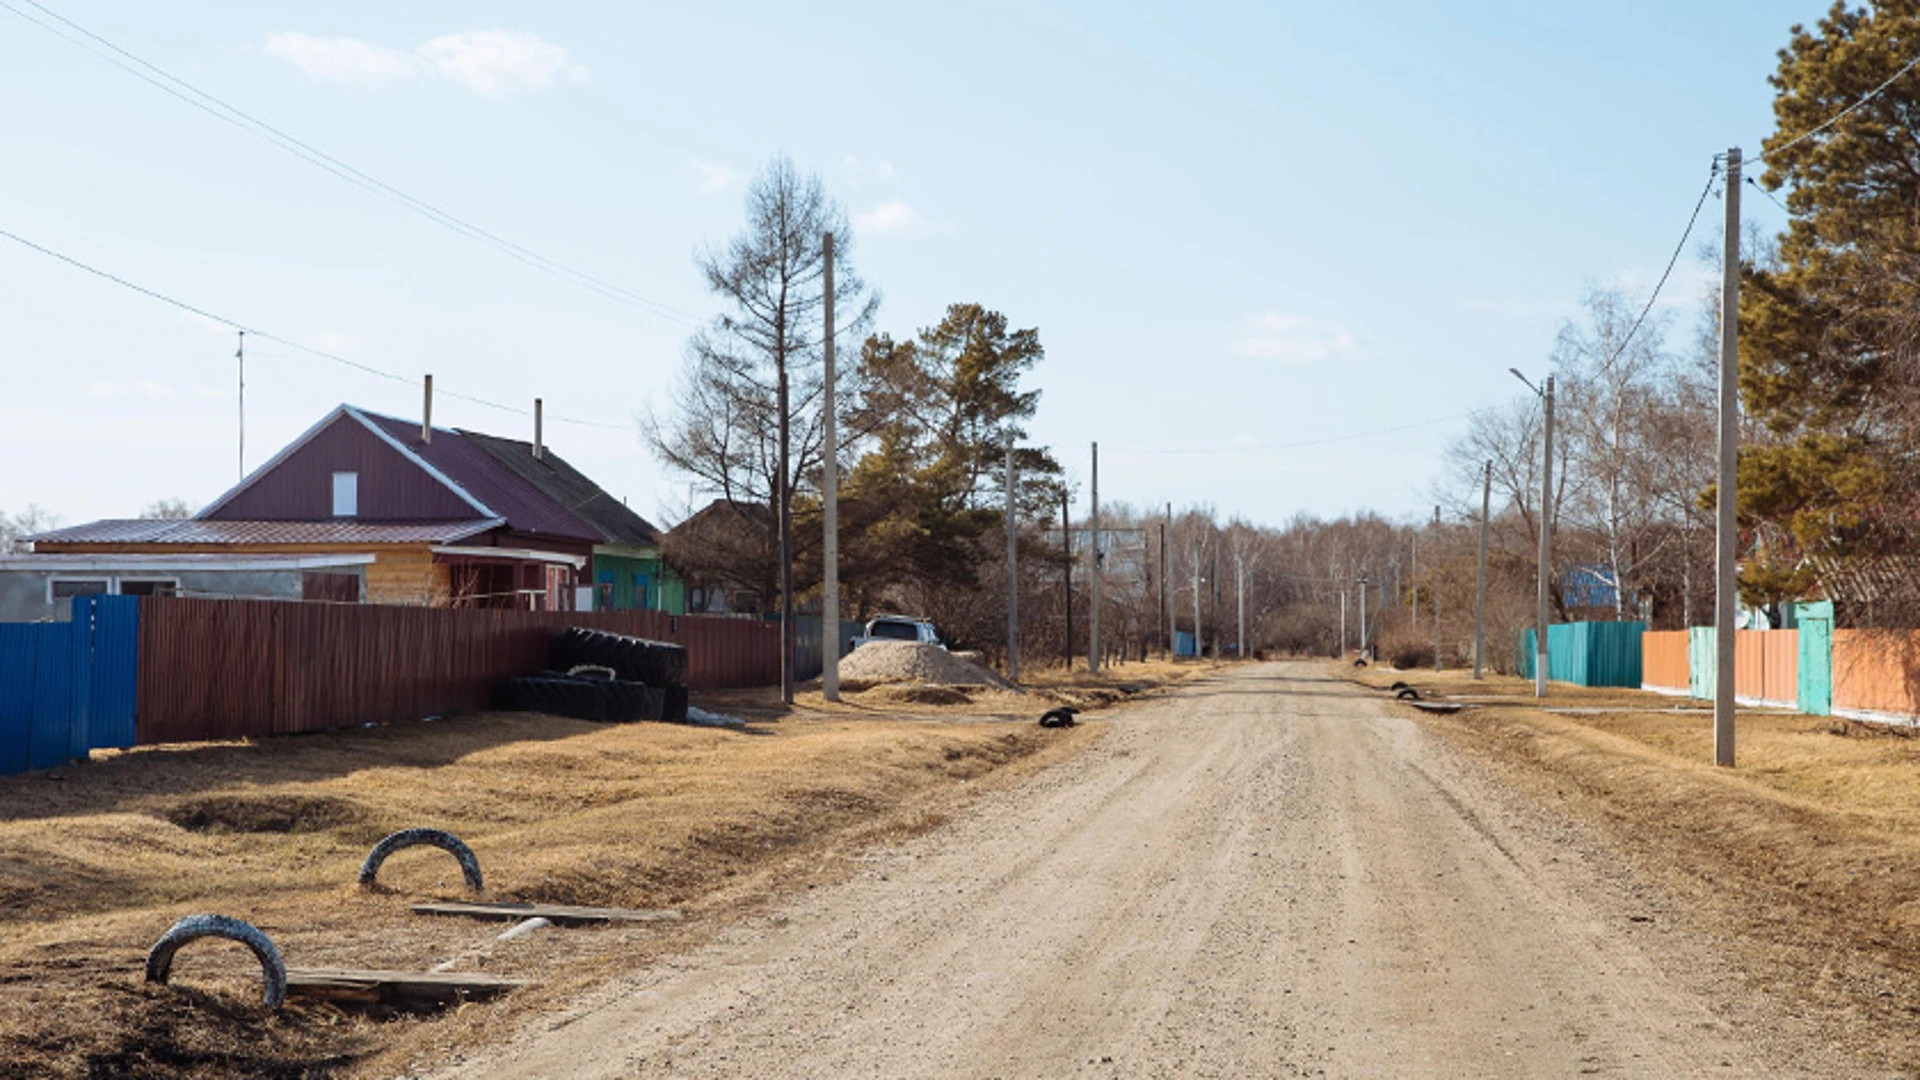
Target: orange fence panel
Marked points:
1767	665
1663	659
1877	671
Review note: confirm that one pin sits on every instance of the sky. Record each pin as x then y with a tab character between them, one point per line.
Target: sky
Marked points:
1276	252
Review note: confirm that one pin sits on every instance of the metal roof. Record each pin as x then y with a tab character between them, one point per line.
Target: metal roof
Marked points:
475	471
88	560
194	531
568	487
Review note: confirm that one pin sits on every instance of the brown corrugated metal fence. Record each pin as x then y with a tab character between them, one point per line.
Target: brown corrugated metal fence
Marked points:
1663	659
1767	665
219	669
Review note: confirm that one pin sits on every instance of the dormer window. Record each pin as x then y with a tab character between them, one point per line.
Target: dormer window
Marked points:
346	494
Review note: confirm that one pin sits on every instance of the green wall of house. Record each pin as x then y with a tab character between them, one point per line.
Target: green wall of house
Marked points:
643	583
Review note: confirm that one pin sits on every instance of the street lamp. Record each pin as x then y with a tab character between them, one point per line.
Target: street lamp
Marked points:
1546	538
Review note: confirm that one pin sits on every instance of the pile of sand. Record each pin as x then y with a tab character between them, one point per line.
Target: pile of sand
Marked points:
879	662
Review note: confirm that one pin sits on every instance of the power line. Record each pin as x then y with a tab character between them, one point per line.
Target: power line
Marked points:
1755	184
192	95
1837	117
1712	172
1268	447
266	335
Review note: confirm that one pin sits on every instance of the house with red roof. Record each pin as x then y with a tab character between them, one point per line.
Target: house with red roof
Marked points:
449	518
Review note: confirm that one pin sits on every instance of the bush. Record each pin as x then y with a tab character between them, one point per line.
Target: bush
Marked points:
1408	655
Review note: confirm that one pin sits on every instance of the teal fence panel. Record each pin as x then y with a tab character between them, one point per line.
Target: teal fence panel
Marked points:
1588	653
1815	623
1702	662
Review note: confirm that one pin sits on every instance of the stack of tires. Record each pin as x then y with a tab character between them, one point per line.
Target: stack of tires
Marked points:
605	677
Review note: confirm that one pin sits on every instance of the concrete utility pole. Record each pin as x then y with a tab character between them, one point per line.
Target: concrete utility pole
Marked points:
1013	574
1413	589
1240	590
1166	643
1480	589
1363	615
1434	601
1544	571
1066	545
1726	495
240	354
1213	597
1093	556
1199	649
1546	552
1172	601
830	508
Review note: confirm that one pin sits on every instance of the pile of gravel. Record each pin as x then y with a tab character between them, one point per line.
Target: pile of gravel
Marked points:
879	662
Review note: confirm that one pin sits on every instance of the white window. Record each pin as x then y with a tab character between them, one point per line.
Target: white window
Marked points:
60	589
346	494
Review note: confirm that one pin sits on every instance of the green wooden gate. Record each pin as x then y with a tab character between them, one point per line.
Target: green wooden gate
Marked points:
1816	657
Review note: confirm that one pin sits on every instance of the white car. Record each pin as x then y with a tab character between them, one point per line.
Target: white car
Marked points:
898	628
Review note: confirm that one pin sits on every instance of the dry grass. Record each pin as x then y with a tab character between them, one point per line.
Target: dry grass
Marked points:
99	860
1806	853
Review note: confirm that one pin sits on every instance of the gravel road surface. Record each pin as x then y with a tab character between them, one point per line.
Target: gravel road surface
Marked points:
1270	873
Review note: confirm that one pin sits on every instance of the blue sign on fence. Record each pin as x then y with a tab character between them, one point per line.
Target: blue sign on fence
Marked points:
67	688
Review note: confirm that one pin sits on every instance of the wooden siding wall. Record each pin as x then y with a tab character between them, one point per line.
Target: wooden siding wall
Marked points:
225	669
1663	659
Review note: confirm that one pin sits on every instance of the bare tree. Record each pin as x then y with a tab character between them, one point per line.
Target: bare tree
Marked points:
748	423
169	509
15	527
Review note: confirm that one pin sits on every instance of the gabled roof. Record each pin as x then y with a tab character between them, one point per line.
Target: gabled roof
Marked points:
195	531
570	488
454	460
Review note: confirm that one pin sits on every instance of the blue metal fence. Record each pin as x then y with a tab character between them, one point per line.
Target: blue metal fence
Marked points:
67	688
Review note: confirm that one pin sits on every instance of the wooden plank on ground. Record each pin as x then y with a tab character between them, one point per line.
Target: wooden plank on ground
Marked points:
560	914
402	989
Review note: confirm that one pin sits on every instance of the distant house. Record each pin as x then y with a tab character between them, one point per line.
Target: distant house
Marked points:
449	518
724	552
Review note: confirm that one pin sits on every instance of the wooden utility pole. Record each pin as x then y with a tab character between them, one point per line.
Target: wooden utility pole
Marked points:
1013	574
1363	615
1480	589
830	504
1343	623
1726	495
1166	643
1093	557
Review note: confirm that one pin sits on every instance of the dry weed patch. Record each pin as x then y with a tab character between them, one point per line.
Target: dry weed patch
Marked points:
96	862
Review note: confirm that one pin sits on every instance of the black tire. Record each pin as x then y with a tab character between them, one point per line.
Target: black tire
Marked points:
631	701
406	838
580	699
1407	693
673	708
656	663
273	970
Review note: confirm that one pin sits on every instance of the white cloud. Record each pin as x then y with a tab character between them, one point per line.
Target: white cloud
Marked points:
713	176
494	63
1294	339
499	62
342	59
896	218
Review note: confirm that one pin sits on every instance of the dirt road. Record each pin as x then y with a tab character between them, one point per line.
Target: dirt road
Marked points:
1267	874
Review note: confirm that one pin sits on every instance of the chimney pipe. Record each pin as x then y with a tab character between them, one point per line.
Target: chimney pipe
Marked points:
426	413
539	447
